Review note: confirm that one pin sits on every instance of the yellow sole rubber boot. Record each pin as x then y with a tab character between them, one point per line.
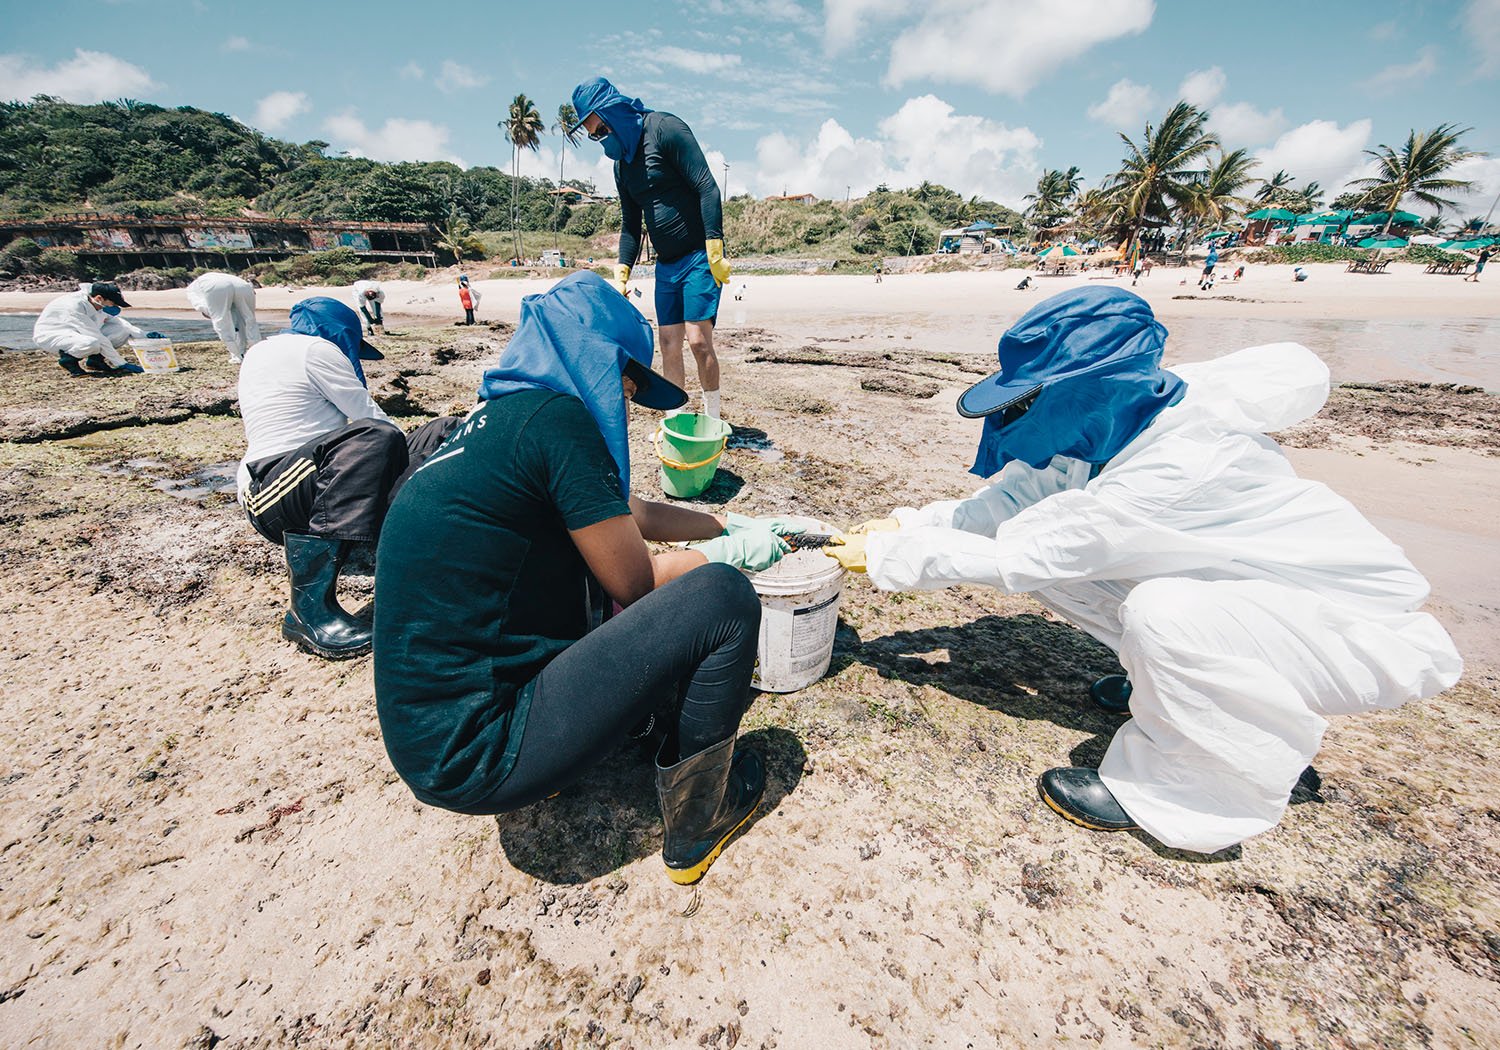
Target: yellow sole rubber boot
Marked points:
688	876
1086	784
1076	820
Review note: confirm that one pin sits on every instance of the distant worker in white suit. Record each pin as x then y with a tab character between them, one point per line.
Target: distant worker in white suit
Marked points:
1150	508
74	327
229	302
369	299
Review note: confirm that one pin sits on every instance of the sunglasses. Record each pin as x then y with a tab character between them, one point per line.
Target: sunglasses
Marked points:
600	133
1016	409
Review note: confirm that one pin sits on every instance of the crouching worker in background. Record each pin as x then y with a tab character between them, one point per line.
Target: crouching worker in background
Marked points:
322	463
84	328
1150	507
499	678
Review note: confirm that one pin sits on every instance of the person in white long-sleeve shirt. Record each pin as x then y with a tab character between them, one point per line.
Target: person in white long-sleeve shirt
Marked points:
322	462
1150	508
369	300
229	303
83	329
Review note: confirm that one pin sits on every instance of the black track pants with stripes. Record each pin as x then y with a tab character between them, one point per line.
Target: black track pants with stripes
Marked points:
339	485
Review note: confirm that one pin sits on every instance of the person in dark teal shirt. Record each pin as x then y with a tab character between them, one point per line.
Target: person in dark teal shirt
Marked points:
499	676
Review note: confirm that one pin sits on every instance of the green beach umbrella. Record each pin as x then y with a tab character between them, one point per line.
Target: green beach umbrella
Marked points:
1280	214
1216	235
1059	251
1325	218
1383	242
1378	219
1470	243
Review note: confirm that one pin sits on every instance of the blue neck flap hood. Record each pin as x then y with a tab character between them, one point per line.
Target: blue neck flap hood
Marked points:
334	321
1095	354
576	339
625	116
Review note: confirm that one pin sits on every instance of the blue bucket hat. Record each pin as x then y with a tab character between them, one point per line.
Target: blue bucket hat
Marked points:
338	323
1080	376
625	116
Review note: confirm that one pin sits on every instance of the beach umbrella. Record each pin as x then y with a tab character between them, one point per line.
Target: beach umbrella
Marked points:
1059	251
981	224
1383	242
1215	235
1426	238
1279	214
1469	243
1378	219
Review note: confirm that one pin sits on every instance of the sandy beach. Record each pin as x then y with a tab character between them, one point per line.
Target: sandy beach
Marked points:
205	844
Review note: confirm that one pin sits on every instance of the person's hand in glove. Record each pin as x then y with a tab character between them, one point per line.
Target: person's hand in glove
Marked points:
128	369
849	551
622	274
864	528
753	550
717	264
736	523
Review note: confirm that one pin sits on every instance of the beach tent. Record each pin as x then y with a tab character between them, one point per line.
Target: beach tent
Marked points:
979	226
1278	214
1383	242
1325	218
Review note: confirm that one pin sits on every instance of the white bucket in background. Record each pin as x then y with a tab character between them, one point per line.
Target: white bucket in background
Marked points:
155	355
799	601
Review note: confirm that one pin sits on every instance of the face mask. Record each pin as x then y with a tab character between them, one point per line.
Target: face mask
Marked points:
614	149
113	311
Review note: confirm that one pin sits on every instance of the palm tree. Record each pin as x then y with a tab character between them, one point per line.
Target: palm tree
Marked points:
1155	172
1274	189
457	238
565	125
1215	196
1098	213
1054	191
1308	198
523	129
1415	170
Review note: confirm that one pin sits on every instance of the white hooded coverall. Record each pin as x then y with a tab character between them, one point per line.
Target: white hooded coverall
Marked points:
70	325
1246	604
229	302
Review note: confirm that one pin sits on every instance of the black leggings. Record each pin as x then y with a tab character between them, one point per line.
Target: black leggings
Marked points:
685	652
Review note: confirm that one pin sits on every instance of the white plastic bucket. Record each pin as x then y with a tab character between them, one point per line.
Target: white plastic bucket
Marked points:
155	355
799	601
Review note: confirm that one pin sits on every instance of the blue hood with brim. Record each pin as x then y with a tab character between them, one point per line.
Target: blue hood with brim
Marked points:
1092	357
577	339
338	323
625	116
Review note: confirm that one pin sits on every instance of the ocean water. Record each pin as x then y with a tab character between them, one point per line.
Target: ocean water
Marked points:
15	329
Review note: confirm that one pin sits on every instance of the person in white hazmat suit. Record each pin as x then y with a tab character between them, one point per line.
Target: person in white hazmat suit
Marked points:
229	302
1150	508
83	329
369	300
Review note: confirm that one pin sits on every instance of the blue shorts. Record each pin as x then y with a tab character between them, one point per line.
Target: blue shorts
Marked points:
686	290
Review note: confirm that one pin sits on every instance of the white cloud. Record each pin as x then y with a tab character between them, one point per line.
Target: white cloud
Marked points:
1241	124
1126	107
843	20
455	76
1484	173
277	109
1394	76
1203	87
1319	150
237	43
1482	27
924	139
396	139
411	71
1007	46
695	61
89	76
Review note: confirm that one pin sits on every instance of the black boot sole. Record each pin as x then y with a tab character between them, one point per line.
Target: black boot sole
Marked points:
688	876
307	645
1076	818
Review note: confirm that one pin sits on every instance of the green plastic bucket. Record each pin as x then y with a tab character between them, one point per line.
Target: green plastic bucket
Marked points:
689	447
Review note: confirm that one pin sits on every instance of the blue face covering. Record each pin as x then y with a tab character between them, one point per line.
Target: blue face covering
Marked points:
625	116
334	321
1096	354
576	340
113	311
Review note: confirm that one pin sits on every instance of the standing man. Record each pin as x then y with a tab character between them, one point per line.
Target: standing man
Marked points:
468	298
73	326
1484	257
662	178
229	302
322	463
369	297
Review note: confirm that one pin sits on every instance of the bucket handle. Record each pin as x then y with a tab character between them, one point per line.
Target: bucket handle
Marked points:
676	465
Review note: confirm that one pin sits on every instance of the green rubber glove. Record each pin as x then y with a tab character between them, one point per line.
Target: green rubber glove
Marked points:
780	526
753	550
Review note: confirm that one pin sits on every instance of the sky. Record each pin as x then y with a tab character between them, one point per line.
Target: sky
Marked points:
831	98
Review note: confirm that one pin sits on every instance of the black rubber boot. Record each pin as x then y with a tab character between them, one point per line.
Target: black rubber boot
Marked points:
1080	796
316	621
1112	693
69	364
97	363
705	799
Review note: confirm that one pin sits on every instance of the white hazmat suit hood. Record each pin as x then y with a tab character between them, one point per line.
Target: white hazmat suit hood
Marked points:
1245	603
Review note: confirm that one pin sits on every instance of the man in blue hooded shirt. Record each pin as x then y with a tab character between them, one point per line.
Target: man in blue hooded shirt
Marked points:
1151	508
322	463
663	179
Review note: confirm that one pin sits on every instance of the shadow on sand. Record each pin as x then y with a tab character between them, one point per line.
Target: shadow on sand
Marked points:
610	817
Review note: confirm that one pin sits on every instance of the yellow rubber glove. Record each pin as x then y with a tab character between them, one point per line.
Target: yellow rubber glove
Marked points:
717	264
864	528
850	553
622	274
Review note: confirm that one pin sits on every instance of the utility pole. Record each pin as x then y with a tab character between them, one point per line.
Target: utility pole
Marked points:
846	193
726	182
